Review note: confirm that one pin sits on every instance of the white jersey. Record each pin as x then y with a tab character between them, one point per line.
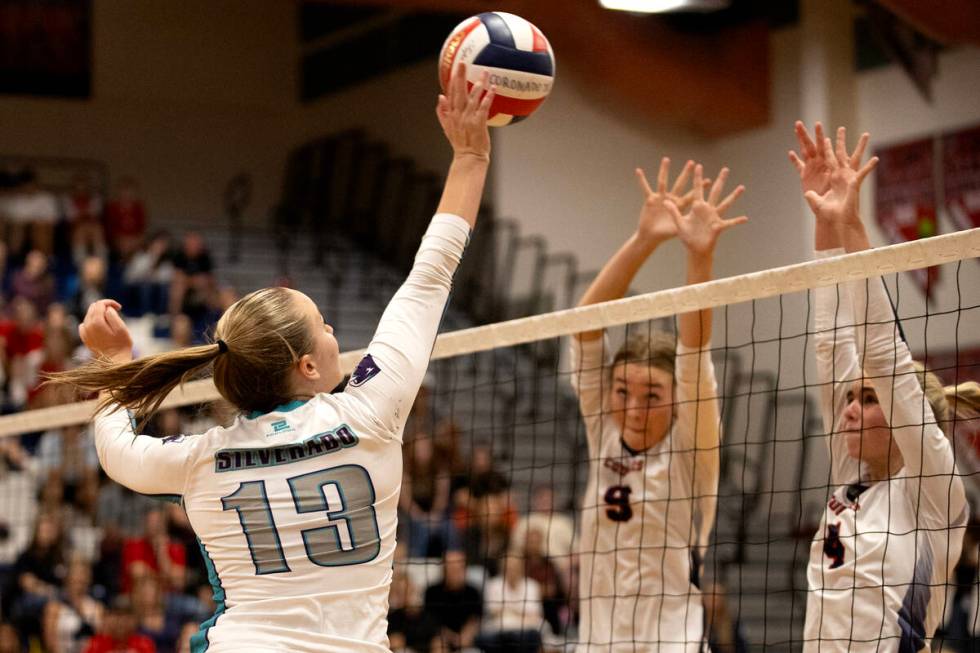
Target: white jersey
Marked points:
296	509
881	559
646	514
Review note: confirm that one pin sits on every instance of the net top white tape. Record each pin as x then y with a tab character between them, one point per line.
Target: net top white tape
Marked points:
938	250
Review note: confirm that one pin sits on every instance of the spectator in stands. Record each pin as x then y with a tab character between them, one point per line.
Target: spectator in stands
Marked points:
91	286
425	499
512	618
148	276
18	510
456	605
35	282
83	207
10	639
126	219
154	553
32	210
540	568
181	332
23	336
38	574
193	282
118	633
556	526
409	626
158	618
6	278
54	357
484	478
72	618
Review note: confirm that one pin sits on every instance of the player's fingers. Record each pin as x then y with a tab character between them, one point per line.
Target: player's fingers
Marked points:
807	146
866	170
484	109
818	136
641	179
812	199
457	88
734	222
841	149
476	92
726	203
115	321
828	153
675	213
698	182
684	178
718	186
662	175
795	160
859	150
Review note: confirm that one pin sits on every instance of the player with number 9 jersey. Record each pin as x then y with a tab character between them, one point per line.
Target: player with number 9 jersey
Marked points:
295	503
652	423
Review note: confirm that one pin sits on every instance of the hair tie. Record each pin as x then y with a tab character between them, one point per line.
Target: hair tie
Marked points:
222	347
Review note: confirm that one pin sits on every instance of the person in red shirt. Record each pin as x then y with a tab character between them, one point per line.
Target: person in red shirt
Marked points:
154	553
126	219
118	633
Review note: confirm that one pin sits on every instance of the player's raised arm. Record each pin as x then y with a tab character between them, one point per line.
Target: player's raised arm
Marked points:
389	376
142	463
835	340
653	228
695	399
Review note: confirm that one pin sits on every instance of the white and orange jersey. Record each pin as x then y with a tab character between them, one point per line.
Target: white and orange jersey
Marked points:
296	510
646	516
880	562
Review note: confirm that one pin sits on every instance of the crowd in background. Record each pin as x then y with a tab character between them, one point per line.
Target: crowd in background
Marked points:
88	567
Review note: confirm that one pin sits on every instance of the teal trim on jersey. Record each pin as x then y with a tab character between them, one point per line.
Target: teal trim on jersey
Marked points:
199	640
169	498
285	408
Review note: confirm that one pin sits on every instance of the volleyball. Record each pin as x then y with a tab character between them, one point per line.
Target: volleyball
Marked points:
515	53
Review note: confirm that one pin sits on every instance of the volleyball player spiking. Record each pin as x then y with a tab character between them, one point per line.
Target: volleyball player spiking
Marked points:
295	503
651	418
893	525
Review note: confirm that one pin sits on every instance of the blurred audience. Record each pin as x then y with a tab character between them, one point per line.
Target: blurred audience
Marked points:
32	212
83	207
148	275
35	282
91	286
513	614
425	498
118	633
193	285
154	553
125	219
455	605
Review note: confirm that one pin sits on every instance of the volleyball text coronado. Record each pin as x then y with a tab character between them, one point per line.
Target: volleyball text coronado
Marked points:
514	52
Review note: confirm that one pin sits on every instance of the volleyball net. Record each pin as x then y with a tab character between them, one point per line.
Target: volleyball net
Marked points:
495	551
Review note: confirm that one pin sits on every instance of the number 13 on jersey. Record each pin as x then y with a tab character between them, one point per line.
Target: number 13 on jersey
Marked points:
345	494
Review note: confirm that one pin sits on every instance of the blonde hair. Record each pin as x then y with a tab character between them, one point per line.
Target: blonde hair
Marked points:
934	391
655	349
964	400
265	333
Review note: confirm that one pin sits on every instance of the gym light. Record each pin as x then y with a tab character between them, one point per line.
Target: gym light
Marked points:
663	6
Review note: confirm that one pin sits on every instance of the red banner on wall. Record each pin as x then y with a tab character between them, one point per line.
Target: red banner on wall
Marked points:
961	177
905	198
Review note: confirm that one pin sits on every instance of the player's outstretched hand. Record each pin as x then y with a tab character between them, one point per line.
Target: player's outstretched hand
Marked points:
700	227
463	114
104	332
655	224
837	203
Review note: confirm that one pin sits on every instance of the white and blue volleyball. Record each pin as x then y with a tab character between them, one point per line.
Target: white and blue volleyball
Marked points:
515	53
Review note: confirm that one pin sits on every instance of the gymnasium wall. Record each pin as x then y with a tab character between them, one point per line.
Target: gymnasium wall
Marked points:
185	95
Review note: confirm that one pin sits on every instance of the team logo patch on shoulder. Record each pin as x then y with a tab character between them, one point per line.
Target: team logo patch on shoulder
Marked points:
366	370
173	439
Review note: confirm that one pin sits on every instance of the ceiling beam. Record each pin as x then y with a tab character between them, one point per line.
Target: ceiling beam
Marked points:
947	21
